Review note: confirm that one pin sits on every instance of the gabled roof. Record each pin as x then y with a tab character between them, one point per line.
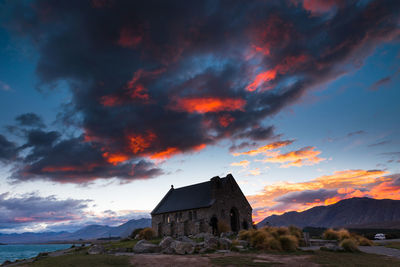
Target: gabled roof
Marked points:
185	198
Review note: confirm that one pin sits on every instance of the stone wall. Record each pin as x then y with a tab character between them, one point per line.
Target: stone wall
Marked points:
230	197
188	222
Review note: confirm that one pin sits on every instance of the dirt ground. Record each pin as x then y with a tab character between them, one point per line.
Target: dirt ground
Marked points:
205	260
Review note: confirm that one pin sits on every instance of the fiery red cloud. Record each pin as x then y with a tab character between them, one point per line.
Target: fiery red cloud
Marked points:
281	197
208	104
288	64
188	79
140	142
115	158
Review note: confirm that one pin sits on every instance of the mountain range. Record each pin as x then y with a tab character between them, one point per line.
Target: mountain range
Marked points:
88	232
350	213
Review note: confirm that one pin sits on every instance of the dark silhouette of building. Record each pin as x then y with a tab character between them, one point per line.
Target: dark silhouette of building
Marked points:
202	207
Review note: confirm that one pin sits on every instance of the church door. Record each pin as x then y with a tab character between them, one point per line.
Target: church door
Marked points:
234	214
160	232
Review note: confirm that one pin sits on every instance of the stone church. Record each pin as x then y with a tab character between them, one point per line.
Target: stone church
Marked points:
202	207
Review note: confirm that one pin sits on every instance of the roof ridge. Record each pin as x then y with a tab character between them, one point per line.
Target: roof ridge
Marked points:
209	181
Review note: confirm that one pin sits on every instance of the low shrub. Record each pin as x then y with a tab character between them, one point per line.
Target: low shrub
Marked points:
361	241
272	244
289	242
135	232
258	239
343	234
349	245
245	235
282	231
272	238
293	230
223	227
330	234
147	233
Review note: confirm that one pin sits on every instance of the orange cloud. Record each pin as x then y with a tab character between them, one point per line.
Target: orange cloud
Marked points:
167	153
288	63
265	148
281	197
115	158
208	104
243	163
303	157
140	142
261	78
255	172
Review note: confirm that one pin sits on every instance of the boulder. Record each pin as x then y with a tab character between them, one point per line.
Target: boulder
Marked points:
211	243
225	243
165	245
182	248
185	239
96	249
243	243
203	235
144	246
227	234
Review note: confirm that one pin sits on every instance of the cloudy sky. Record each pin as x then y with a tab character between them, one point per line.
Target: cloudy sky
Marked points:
105	103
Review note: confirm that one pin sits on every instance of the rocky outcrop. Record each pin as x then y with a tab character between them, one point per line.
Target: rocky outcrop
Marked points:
182	248
144	246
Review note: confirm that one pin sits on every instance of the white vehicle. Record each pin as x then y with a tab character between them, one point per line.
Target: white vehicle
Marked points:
380	236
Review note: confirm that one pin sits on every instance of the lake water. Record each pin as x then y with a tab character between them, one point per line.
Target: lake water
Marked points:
14	252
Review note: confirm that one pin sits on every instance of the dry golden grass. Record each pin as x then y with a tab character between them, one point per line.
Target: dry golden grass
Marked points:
272	238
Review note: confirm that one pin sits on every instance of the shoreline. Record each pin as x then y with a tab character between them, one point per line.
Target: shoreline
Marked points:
53	253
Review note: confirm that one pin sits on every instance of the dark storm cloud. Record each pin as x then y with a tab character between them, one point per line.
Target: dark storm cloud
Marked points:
307	196
8	149
151	79
30	119
31	208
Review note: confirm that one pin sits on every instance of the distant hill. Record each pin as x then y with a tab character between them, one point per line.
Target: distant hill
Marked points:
353	212
88	232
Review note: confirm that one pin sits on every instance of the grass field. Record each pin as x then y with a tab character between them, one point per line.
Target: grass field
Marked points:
82	260
345	259
393	245
324	258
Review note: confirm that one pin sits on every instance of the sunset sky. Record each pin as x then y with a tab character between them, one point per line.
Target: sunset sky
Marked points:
104	104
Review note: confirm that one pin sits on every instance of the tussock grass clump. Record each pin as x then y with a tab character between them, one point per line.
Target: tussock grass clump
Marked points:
272	238
361	241
343	234
245	234
349	245
330	234
293	230
147	233
289	242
